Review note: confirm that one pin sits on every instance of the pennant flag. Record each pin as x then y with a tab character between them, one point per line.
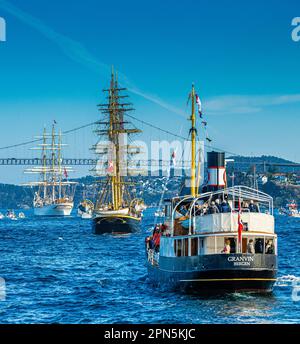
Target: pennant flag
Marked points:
110	168
173	157
198	102
189	97
240	227
54	121
204	123
208	139
66	173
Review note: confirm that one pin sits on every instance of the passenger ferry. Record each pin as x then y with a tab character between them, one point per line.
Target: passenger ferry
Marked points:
221	240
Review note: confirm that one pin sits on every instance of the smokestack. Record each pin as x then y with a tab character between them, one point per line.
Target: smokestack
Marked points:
216	171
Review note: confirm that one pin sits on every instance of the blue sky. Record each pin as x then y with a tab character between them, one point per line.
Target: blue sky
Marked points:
240	55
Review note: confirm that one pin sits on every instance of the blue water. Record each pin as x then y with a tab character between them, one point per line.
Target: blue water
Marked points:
57	271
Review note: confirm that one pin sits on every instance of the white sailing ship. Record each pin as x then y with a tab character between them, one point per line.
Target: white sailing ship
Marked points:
55	193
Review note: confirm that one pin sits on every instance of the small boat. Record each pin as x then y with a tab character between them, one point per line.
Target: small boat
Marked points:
85	209
215	238
292	209
21	215
11	215
117	210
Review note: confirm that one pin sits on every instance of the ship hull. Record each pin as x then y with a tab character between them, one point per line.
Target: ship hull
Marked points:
63	209
116	224
216	274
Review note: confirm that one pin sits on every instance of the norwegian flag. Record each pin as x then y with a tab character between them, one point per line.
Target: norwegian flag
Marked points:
110	167
240	226
198	102
66	173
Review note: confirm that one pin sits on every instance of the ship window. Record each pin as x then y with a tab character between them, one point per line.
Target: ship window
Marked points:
232	245
201	246
168	210
186	247
178	248
181	247
194	246
259	245
269	248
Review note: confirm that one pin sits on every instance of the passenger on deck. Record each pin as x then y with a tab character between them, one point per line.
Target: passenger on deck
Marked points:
250	247
183	210
269	247
245	206
226	248
213	209
204	209
259	248
156	239
225	207
197	210
165	230
218	205
253	207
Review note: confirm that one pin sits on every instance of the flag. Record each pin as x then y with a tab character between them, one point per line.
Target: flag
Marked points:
208	139
173	157
204	123
240	227
189	97
66	173
110	167
54	121
198	102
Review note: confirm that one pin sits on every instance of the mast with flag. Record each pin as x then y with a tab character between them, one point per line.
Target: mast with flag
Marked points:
114	165
193	132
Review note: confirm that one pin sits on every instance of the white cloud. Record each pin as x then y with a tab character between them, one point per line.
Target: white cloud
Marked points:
238	104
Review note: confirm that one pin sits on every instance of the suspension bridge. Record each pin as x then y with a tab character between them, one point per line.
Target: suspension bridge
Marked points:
19	154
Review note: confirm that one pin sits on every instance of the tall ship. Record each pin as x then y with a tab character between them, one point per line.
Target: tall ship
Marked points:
54	195
117	210
215	239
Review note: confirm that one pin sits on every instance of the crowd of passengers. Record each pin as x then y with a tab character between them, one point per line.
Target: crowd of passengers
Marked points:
257	247
219	206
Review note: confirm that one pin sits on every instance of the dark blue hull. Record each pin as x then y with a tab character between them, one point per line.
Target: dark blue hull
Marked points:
216	273
116	225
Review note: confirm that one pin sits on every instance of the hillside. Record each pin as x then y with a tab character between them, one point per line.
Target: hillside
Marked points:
152	188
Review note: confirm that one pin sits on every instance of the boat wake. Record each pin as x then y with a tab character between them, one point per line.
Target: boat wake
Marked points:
287	281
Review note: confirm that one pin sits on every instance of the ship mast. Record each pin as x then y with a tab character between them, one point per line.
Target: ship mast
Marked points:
193	132
114	112
53	162
44	162
59	164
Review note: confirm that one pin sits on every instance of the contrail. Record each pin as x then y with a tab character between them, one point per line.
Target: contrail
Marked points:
78	53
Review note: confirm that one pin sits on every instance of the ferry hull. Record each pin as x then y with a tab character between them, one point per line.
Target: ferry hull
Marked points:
200	276
63	209
116	224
